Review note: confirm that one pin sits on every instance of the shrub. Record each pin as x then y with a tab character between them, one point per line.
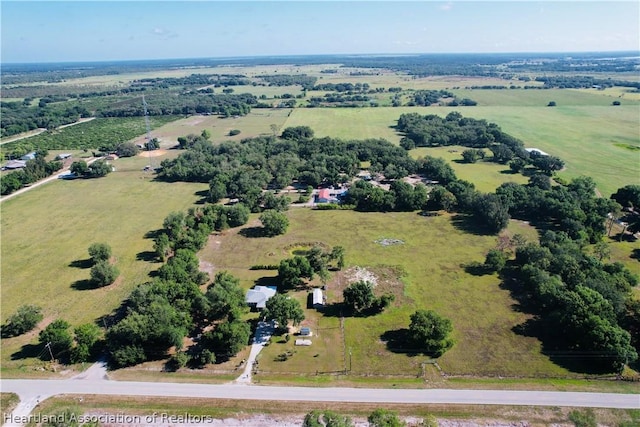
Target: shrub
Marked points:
233	132
25	319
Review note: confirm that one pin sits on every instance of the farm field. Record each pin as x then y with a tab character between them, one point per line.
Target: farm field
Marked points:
577	134
46	230
257	122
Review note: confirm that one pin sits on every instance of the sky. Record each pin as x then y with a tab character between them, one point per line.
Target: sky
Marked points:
61	31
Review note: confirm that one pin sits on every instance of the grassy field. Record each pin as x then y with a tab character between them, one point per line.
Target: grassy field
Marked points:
47	229
431	277
487	176
593	140
256	123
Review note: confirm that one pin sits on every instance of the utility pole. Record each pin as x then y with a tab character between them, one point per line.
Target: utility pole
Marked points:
350	357
48	346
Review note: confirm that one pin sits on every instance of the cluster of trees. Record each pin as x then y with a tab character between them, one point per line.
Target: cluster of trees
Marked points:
162	312
401	196
343	87
61	344
190	230
356	100
97	169
193	80
17	117
169	104
583	305
103	272
429	97
574	208
291	271
35	170
303	80
432	131
577	82
242	170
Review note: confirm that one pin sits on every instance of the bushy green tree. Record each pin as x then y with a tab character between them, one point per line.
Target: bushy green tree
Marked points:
127	149
99	252
385	418
104	274
495	260
283	309
228	338
274	223
326	419
86	337
225	296
23	320
292	270
429	332
57	336
359	296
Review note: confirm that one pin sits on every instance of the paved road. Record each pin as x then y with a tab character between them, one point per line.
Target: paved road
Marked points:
47	388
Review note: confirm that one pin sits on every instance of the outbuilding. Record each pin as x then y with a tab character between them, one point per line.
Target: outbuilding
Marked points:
318	298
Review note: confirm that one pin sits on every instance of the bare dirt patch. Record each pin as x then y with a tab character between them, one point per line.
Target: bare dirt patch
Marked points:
385	280
153	153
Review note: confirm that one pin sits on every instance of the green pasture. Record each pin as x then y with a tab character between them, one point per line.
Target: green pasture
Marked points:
486	175
431	259
539	97
47	229
594	140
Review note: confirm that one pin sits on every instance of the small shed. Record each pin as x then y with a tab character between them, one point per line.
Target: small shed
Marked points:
305	332
303	342
318	298
258	296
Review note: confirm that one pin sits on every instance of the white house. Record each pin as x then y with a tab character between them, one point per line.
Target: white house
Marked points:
259	295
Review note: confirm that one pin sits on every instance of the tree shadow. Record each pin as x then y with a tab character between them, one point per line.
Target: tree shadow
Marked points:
82	263
204	197
476	269
252	232
508	172
466	223
268	281
28	351
147	256
635	254
84	285
153	234
396	341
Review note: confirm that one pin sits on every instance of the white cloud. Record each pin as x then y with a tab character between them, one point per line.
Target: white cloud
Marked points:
446	7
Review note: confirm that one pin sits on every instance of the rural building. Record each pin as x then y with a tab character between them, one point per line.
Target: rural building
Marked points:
537	151
15	164
258	296
64	156
318	298
305	332
29	156
303	342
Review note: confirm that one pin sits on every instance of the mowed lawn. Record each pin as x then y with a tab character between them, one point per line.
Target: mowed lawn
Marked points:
593	140
47	229
434	250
